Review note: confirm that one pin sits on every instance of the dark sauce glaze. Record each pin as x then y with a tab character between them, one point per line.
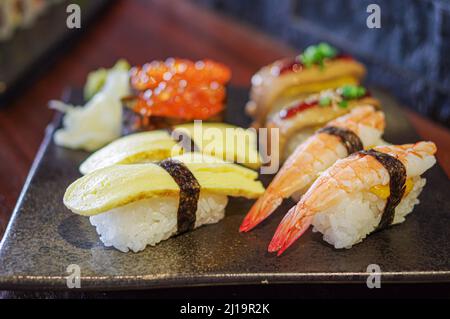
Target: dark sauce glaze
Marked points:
302	106
290	65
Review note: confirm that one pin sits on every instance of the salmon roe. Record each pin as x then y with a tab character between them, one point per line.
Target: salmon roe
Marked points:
180	88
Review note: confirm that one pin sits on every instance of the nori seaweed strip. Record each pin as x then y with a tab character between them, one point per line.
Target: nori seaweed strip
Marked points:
351	141
397	180
189	193
187	143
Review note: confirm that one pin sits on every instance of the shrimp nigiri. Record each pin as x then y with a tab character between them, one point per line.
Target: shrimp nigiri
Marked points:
358	129
367	191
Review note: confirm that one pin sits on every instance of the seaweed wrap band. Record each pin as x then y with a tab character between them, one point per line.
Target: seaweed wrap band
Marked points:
397	180
189	193
351	141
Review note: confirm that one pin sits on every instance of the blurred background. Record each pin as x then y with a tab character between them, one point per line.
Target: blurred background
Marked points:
409	54
41	57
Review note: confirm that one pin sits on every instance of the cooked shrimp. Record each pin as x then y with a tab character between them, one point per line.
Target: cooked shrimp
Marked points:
316	154
346	178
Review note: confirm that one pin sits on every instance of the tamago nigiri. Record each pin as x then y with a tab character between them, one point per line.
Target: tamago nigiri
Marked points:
136	205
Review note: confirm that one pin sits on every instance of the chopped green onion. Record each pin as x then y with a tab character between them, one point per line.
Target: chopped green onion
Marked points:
361	91
326	50
316	54
343	104
324	101
353	91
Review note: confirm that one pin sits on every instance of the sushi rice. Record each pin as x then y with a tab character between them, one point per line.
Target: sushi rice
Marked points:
349	222
150	221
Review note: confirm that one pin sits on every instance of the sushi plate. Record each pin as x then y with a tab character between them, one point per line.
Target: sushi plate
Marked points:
44	238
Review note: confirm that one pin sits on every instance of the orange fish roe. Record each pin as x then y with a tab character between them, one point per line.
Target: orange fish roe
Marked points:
180	88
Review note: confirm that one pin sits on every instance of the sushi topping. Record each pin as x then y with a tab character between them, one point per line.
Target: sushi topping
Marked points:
312	55
179	88
397	184
351	141
189	193
339	97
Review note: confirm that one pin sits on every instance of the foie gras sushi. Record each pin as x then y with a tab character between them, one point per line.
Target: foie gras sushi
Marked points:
136	205
317	68
301	118
367	191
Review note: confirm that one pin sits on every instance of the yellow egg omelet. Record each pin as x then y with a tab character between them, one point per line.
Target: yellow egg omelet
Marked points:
118	185
135	148
224	141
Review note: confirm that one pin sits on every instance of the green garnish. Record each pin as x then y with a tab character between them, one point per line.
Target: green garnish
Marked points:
316	54
343	104
326	50
324	101
353	91
361	91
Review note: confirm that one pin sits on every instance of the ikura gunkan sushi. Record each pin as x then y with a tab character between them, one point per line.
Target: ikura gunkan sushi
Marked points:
175	91
367	191
136	205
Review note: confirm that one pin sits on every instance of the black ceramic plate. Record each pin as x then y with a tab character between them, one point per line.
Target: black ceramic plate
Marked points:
44	237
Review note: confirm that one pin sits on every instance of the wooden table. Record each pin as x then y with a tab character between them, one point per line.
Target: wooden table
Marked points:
142	31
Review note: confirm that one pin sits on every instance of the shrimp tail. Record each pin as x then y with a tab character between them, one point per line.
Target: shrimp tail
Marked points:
260	210
293	225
